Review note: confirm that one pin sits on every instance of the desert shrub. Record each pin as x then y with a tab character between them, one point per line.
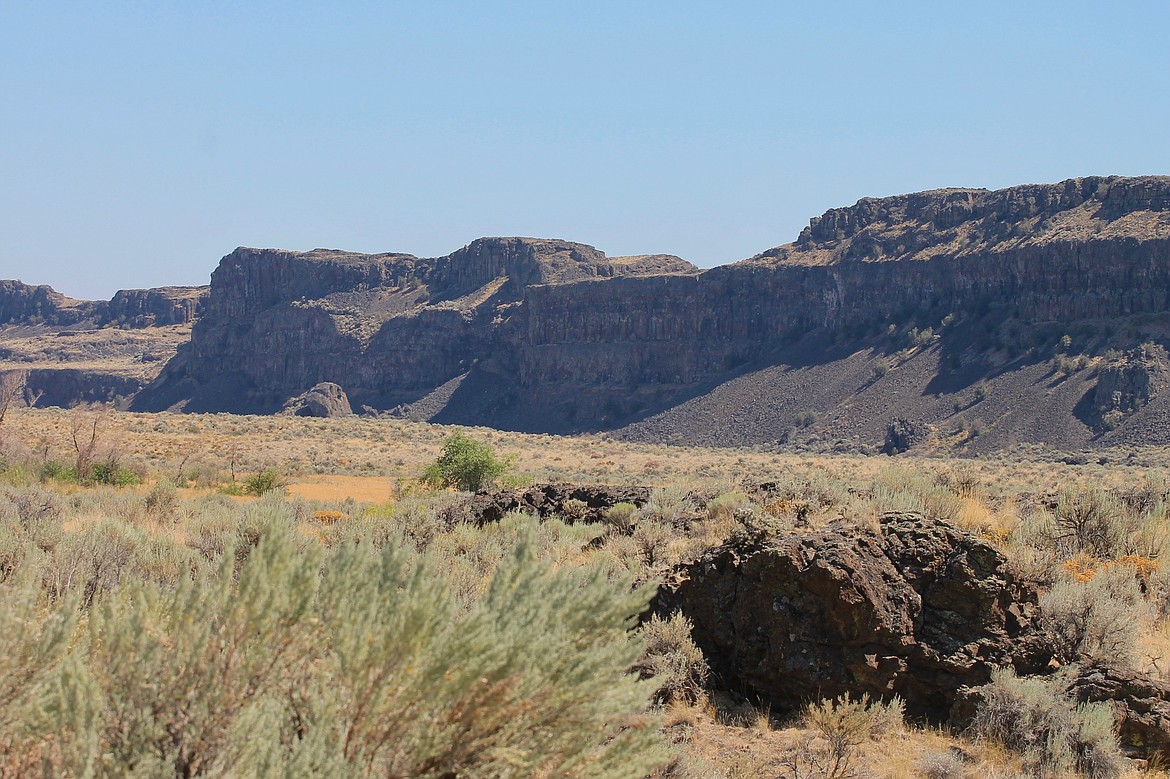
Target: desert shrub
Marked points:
881	366
34	641
162	502
1030	552
212	523
109	503
652	540
447	700
669	504
1100	618
1093	521
723	506
56	470
93	560
621	554
922	337
112	473
1055	735
465	464
672	660
39	513
356	664
899	488
471	554
620	516
264	482
942	765
416	518
199	474
801	498
271	514
574	509
14	548
844	724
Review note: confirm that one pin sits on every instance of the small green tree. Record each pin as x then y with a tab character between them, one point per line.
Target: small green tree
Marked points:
465	464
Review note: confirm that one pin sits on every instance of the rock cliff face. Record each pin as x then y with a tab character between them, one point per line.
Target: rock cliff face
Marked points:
552	335
23	304
388	328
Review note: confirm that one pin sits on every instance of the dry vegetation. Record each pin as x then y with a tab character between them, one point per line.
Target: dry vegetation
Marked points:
292	665
140	353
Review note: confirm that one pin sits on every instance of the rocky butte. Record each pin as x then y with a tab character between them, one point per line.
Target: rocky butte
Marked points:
974	318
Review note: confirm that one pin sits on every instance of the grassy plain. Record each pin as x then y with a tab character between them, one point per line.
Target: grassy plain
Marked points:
356	479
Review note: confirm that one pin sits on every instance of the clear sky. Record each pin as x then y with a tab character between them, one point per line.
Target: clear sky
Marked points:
141	141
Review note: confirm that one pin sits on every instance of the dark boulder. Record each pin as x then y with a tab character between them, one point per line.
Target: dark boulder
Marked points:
547	500
919	609
326	400
902	435
1141	705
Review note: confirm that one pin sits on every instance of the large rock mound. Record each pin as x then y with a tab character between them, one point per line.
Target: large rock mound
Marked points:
325	400
919	609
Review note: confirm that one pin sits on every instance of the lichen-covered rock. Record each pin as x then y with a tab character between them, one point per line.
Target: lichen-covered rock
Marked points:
325	400
919	609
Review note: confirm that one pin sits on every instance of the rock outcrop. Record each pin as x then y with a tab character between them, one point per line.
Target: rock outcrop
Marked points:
23	304
550	335
1141	705
919	609
1126	384
589	502
325	400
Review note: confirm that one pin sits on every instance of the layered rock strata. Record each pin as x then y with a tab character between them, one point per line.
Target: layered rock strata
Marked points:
552	335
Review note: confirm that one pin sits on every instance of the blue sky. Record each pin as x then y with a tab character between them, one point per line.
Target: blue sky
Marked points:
140	142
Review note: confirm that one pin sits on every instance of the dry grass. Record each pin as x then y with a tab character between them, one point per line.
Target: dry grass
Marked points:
372	461
397	449
724	740
140	352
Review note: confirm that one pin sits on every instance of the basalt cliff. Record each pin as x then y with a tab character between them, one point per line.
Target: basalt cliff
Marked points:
81	351
955	317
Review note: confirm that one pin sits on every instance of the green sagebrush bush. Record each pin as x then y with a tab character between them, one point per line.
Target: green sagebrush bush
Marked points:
465	464
296	662
843	724
1055	735
1099	619
1092	521
672	660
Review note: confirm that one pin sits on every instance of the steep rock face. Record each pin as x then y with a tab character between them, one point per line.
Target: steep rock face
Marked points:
919	610
389	328
155	307
1129	383
22	304
564	338
67	386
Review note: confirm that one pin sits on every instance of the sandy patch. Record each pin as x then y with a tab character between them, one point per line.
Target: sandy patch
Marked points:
363	489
